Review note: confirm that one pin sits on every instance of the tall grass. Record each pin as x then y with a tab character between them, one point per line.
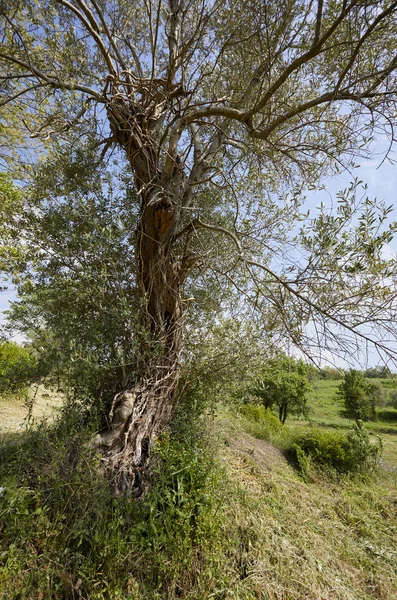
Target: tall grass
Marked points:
227	517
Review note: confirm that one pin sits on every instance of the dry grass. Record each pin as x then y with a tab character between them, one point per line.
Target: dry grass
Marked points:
319	541
14	411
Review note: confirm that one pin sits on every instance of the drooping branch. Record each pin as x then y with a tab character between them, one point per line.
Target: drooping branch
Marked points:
288	287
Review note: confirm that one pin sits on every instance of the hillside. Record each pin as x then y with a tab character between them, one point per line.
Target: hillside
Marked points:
320	540
227	518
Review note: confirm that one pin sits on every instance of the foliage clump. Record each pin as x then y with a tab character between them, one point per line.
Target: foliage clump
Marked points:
263	423
349	453
359	396
18	368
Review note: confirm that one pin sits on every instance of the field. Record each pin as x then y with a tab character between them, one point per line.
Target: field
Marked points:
15	411
326	410
265	533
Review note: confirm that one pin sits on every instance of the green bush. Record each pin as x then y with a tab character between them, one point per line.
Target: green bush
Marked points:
261	422
63	529
343	453
18	368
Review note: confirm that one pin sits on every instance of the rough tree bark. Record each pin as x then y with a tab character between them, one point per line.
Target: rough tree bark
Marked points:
140	414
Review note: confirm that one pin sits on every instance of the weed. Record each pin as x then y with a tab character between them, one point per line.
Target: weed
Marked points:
64	535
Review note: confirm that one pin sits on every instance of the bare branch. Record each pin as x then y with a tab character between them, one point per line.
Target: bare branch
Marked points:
49	79
92	29
109	36
298	62
318	21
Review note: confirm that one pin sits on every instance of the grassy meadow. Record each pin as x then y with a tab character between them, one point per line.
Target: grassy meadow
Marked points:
327	411
228	519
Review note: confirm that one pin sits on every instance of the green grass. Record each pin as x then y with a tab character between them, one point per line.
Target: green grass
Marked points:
330	538
227	518
327	411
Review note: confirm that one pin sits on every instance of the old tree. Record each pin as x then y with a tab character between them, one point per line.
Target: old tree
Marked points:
217	109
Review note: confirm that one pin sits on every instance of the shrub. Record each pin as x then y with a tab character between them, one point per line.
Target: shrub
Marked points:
343	453
263	423
18	367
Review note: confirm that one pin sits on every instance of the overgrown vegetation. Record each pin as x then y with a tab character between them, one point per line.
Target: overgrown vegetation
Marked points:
208	528
225	519
359	396
18	368
64	534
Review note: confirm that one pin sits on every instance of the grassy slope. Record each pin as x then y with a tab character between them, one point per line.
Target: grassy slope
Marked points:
321	541
285	539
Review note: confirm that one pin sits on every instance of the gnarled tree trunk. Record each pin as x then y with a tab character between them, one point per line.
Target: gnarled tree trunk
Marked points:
140	414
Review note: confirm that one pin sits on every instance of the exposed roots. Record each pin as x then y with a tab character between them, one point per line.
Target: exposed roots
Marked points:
137	418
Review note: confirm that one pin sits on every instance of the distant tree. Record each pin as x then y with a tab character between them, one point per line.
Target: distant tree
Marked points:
284	383
377	393
379	372
358	396
18	368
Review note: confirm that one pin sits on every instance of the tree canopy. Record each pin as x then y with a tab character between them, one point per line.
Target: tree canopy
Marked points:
220	115
246	99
